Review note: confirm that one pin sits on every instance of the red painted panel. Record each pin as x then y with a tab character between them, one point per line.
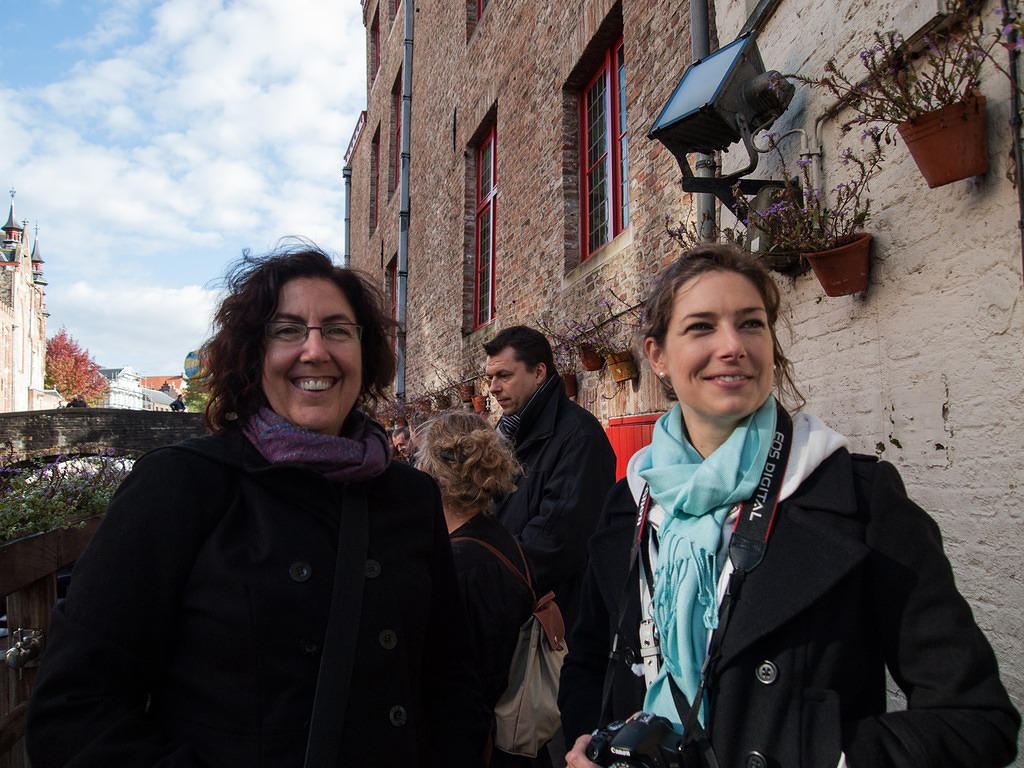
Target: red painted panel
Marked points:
628	434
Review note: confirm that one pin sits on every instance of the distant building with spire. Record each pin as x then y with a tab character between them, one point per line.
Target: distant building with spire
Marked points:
22	322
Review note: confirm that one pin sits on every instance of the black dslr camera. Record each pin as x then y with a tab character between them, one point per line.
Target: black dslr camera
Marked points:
643	741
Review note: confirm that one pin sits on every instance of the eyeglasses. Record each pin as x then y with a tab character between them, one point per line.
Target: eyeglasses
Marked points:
288	332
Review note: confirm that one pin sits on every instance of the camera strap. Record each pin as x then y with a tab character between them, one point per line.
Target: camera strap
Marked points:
747	546
746	550
615	654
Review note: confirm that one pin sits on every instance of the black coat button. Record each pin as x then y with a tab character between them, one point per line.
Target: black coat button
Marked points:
388	639
300	571
372	569
398	716
767	672
308	647
756	760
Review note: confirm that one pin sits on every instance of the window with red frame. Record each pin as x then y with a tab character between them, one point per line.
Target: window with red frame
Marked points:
391	286
604	152
486	191
481	5
396	107
374	179
375	42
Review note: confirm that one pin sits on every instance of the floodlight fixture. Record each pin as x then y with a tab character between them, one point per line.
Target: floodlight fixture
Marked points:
721	99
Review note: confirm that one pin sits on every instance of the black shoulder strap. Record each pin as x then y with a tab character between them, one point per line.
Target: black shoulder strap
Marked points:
637	542
338	655
526	579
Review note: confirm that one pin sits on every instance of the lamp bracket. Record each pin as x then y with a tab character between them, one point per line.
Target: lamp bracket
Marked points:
722	186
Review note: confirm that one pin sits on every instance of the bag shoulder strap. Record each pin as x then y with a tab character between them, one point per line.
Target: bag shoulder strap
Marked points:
338	655
508	563
545	609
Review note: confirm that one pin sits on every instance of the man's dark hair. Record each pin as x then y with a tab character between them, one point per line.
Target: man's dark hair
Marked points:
400	432
530	347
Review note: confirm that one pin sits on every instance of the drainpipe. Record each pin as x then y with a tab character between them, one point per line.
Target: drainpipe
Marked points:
1015	124
346	173
403	211
704	166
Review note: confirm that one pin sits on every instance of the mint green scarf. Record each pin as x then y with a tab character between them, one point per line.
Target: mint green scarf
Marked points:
696	494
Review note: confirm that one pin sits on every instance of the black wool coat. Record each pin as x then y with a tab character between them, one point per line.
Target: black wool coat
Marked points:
497	603
568	468
854	580
191	634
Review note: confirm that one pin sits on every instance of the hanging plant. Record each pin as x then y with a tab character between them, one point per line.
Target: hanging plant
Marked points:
931	95
805	220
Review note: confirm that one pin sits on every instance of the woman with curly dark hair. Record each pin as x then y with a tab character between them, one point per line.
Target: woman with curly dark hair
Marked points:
473	464
217	616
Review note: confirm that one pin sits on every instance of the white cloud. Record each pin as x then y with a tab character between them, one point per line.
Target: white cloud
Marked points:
189	130
160	325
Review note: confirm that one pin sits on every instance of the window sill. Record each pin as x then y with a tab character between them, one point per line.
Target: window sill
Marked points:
608	252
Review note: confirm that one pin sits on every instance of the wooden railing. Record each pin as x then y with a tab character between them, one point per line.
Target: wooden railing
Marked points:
28	566
28	581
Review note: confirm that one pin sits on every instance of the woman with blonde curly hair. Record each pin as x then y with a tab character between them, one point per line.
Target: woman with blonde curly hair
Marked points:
473	465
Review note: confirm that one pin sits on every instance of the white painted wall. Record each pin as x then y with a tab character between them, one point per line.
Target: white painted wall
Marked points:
927	366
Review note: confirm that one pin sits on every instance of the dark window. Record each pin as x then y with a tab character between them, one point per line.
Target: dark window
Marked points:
604	153
486	191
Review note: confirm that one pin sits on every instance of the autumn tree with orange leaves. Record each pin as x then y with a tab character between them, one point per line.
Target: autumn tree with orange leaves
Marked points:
71	371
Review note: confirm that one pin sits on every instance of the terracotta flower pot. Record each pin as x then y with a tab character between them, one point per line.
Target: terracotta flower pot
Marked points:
590	360
479	403
622	365
571	387
843	270
466	392
949	144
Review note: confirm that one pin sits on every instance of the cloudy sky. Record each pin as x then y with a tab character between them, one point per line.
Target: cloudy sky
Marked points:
152	140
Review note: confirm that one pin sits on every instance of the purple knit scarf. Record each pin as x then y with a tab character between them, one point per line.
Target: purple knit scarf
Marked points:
361	452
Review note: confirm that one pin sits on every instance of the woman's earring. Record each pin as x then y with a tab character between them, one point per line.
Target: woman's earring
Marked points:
661	374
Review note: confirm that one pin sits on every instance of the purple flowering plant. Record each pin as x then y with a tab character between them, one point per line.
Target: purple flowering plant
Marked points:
900	84
607	331
806	219
688	233
37	497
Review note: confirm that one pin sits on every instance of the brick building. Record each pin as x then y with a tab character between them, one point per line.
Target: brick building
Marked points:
22	322
509	248
549	104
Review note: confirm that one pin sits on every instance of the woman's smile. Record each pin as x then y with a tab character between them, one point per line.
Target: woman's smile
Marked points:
717	354
313	382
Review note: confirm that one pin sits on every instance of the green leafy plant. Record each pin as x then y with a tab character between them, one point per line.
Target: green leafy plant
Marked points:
37	497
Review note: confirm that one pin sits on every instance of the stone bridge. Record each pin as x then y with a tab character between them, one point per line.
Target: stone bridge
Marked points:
90	431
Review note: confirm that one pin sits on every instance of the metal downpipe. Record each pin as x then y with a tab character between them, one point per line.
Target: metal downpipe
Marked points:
346	258
401	288
704	166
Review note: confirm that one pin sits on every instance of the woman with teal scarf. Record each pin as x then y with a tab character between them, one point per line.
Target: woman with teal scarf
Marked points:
853	580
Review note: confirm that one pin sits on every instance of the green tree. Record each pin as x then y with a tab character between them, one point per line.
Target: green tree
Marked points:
196	396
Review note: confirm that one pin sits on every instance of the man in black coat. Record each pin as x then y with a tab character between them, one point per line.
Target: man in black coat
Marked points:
568	463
